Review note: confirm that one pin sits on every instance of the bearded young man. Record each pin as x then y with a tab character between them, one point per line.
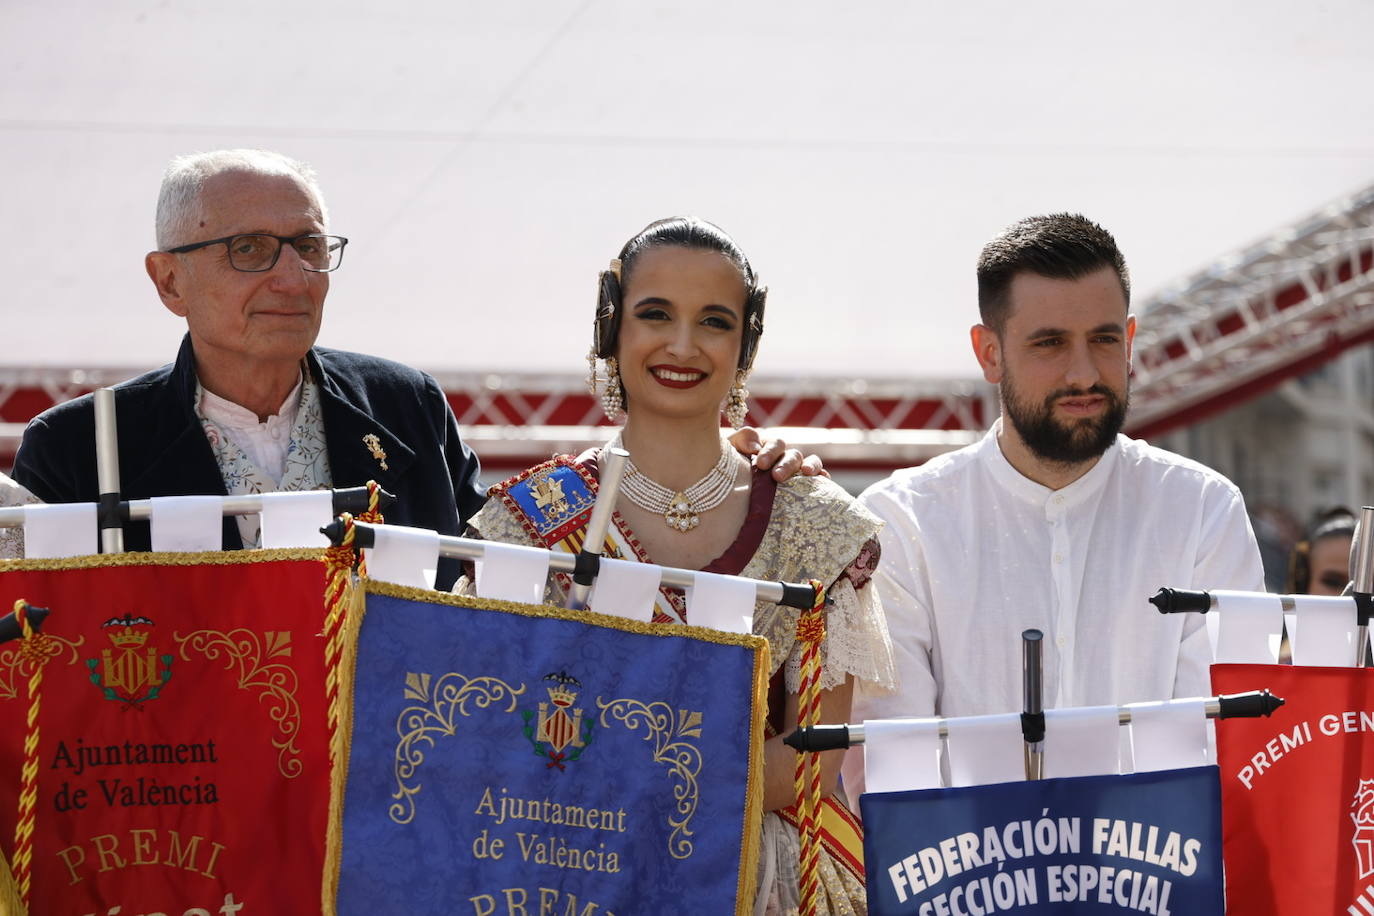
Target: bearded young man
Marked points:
1054	520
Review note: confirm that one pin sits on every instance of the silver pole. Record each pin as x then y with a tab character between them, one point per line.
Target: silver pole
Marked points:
1033	695
107	471
1211	706
610	470
352	499
1362	584
473	549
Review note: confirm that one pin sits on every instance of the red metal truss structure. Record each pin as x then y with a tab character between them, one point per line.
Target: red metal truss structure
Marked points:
513	420
1273	310
855	424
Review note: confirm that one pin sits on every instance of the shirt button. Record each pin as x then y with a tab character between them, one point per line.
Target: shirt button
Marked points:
1059	558
1059	500
1061	641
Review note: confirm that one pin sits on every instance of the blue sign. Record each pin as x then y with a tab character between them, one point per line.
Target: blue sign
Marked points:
1146	843
508	758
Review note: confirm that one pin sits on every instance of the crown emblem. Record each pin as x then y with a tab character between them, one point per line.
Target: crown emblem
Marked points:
126	637
560	733
561	693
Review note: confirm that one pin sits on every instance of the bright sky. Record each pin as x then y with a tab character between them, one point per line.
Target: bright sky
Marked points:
487	159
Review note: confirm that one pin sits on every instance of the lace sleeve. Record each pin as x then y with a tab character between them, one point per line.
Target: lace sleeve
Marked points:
856	640
12	539
12	543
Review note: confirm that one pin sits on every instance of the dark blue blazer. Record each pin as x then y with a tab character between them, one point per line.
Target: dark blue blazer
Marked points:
163	450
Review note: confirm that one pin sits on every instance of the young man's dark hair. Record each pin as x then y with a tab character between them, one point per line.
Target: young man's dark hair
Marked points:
1061	246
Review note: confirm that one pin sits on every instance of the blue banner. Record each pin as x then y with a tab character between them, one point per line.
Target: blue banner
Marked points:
509	758
1146	843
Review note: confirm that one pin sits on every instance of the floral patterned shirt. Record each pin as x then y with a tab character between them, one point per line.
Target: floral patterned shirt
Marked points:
306	465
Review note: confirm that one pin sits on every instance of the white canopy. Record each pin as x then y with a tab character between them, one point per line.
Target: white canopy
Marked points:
487	159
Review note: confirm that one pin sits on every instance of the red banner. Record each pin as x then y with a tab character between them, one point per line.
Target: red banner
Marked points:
1297	792
183	754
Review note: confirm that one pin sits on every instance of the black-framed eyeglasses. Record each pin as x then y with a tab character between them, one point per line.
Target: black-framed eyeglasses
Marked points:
257	251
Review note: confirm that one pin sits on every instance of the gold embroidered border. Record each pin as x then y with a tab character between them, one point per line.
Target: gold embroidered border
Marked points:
169	558
438	702
13	664
662	726
341	740
275	682
752	840
753	810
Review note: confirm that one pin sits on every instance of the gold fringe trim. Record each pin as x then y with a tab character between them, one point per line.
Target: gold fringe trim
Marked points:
169	558
10	904
752	840
340	591
354	607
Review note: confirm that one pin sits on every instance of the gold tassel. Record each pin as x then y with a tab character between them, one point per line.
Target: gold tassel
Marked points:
10	904
36	649
341	597
810	632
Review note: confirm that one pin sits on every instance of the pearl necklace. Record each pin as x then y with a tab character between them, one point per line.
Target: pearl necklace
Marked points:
681	509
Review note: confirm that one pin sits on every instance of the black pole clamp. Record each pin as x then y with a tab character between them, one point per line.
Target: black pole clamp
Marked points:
9	624
818	738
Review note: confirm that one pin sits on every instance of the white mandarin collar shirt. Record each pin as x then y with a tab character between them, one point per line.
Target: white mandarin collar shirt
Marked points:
974	553
264	443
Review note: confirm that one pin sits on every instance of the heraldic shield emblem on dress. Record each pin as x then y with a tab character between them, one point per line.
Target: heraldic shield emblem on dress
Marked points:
547	491
130	671
551	499
560	733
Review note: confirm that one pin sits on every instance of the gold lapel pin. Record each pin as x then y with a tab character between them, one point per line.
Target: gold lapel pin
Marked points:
374	445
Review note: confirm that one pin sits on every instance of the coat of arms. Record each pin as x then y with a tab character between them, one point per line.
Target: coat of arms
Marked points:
129	672
560	734
547	491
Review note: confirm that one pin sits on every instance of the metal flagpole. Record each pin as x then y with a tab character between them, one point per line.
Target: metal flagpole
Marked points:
1362	585
793	594
1249	705
107	472
1182	600
349	499
1033	711
610	470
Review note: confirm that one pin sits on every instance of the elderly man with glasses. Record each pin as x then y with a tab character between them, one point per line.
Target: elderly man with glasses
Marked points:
251	404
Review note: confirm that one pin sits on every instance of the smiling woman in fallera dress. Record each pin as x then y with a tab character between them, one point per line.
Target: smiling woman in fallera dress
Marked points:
679	317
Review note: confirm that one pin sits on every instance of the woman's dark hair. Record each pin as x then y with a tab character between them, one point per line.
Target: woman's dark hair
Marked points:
1335	522
675	232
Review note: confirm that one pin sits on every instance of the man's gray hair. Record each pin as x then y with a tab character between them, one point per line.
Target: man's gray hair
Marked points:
178	202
